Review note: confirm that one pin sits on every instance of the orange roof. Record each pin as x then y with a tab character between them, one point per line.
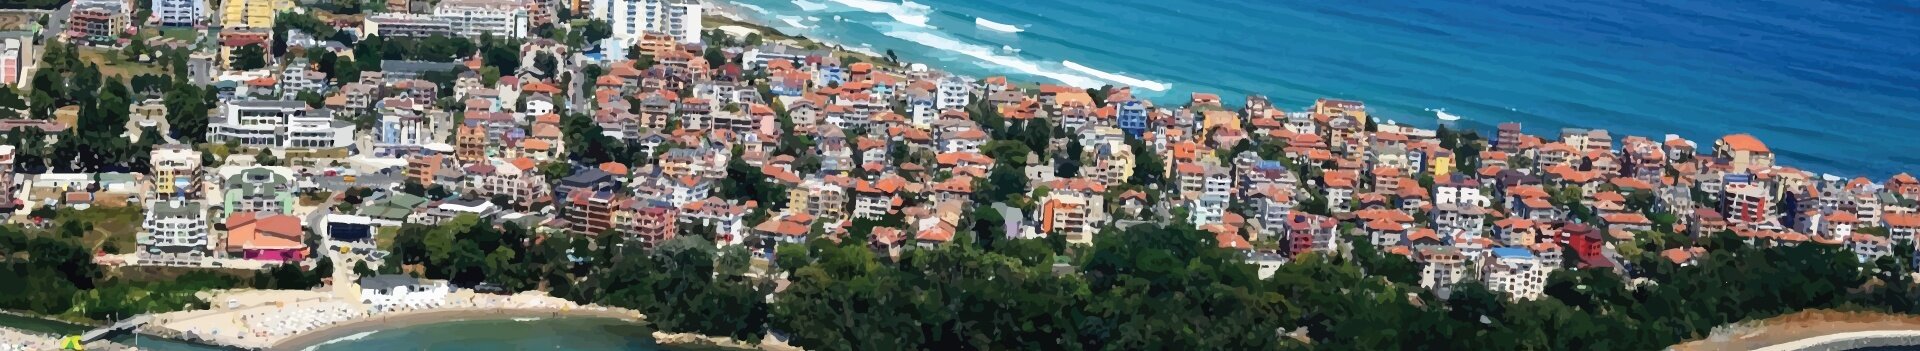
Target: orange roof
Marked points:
1843	217
1902	179
1908	220
1744	142
1627	218
1229	240
608	81
538	87
1609	196
535	144
1423	233
613	168
935	234
1385	225
1632	183
251	231
1677	255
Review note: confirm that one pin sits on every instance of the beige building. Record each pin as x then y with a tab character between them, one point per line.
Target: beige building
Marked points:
1743	152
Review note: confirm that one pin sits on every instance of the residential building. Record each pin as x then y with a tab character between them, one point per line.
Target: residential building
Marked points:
174	171
406	25
1747	203
471	18
1743	152
13	60
279	124
251	14
649	223
174	227
632	20
1440	267
265	237
726	220
180	13
592	212
954	92
1131	116
1516	271
1869	247
518	180
98	21
256	189
1076	208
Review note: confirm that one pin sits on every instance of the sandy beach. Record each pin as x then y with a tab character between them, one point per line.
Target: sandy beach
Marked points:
15	340
291	319
403	319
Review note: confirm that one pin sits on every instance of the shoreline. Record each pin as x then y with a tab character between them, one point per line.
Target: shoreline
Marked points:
330	333
1851	341
729	14
1811	330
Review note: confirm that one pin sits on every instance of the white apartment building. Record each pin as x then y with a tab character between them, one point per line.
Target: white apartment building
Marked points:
954	92
180	13
279	124
471	18
632	19
174	227
395	25
1516	271
1459	189
1208	209
682	20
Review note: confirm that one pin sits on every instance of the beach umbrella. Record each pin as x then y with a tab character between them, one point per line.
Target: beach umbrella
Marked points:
72	342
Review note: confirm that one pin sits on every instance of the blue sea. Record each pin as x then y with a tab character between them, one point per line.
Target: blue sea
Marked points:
1831	86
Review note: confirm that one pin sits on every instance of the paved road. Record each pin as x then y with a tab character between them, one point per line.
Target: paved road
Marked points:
57	21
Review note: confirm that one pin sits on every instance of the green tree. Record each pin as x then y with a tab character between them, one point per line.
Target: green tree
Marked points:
249	57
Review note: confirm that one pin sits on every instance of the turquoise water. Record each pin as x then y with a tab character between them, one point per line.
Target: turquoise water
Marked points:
502	335
1832	86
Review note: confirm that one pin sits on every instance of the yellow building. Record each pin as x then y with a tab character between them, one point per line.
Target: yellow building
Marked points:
175	168
252	13
1441	164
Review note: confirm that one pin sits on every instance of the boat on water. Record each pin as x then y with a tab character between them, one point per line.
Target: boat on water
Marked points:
1444	116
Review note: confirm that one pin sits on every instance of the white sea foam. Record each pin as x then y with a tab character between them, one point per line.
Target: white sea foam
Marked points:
983	22
988	55
792	21
1117	78
529	319
905	12
813	19
750	7
357	336
810	6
